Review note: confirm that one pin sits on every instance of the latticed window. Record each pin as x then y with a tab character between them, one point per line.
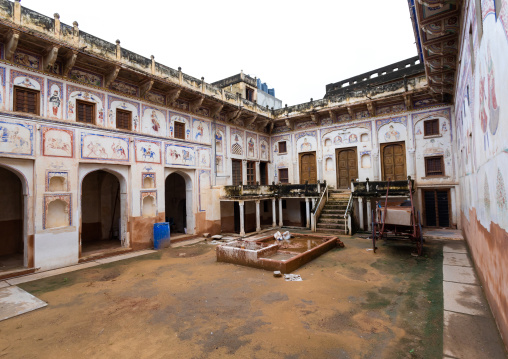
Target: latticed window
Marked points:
26	100
251	173
180	130
237	172
434	166
283	175
85	111
123	119
282	147
431	127
237	149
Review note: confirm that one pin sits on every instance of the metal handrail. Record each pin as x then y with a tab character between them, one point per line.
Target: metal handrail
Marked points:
318	207
349	205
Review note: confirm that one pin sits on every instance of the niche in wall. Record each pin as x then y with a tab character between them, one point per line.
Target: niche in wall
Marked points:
366	163
57	211
148	204
57	182
364	137
148	180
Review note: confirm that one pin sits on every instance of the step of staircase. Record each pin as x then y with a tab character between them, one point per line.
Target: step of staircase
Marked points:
331	220
332	211
331	226
332	231
338	215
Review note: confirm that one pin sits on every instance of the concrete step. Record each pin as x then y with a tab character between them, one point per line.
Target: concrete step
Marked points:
334	201
331	220
332	215
332	211
331	226
334	231
339	208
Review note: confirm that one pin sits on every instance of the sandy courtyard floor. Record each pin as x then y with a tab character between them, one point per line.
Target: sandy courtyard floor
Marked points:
181	303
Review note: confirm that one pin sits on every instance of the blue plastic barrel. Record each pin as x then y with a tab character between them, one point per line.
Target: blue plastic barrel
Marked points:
161	235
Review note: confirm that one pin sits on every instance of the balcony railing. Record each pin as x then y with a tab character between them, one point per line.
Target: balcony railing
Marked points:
273	190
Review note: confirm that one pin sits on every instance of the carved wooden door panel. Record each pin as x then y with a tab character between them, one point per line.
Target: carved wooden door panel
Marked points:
394	162
347	165
308	168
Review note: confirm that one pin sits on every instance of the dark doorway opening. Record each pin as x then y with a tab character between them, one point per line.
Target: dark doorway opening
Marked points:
437	208
263	173
100	212
11	221
303	214
176	203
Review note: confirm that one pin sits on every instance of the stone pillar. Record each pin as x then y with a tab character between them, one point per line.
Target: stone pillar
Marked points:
244	172
369	215
307	211
313	202
376	167
258	219
242	218
360	209
274	214
281	223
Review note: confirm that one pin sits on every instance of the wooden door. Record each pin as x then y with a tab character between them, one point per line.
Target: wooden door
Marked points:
308	171
394	161
347	166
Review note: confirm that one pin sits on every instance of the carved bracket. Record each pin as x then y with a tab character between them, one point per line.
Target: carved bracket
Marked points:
216	110
290	124
11	43
145	87
69	62
112	76
251	120
234	115
315	117
371	108
196	104
408	102
48	61
351	112
172	96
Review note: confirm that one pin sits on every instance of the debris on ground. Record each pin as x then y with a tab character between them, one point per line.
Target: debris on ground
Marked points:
340	244
206	235
277	274
217	237
292	278
215	242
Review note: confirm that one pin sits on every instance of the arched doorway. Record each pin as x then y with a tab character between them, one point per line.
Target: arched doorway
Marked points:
101	227
11	221
176	202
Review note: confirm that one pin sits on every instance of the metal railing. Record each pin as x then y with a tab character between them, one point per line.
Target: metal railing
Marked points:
348	217
316	211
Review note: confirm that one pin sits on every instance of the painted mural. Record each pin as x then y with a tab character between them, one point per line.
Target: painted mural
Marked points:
148	151
392	129
237	142
264	148
101	147
86	77
200	131
16	138
180	155
306	141
153	121
115	103
156	97
77	93
204	155
25	58
177	117
125	88
57	142
55	99
252	140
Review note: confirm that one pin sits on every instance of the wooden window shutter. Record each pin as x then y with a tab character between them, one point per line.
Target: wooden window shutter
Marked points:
26	100
85	112
123	119
180	130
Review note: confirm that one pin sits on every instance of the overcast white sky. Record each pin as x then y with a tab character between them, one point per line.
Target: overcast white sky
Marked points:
295	46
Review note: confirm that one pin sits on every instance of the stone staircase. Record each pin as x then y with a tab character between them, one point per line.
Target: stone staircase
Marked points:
332	218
